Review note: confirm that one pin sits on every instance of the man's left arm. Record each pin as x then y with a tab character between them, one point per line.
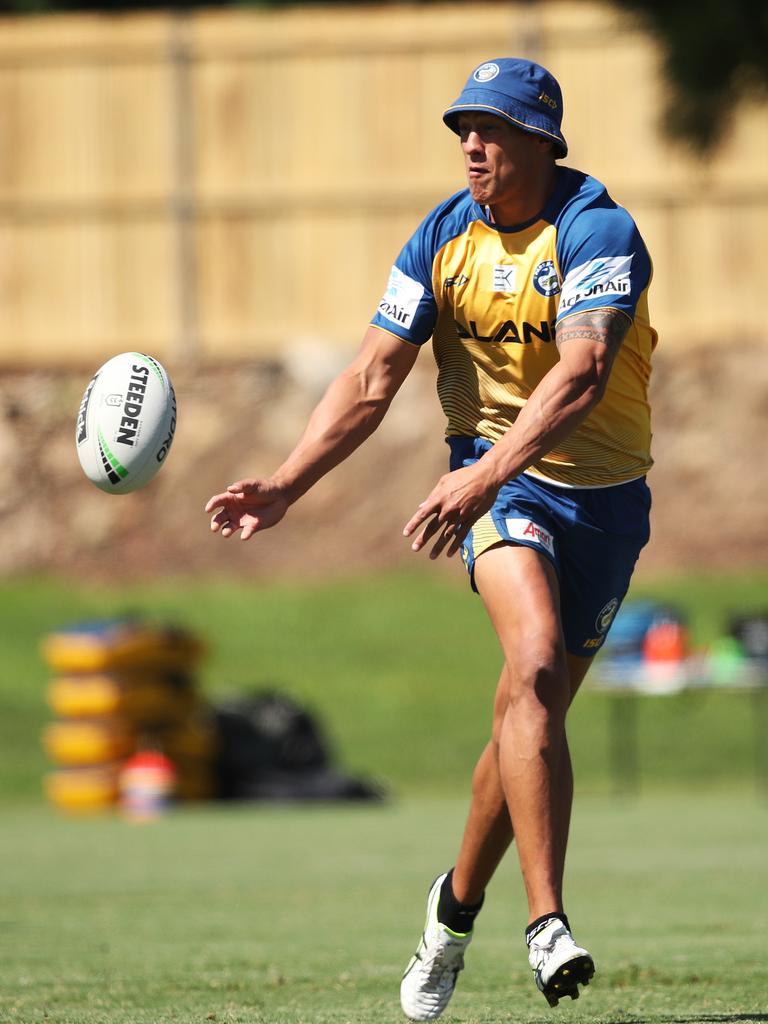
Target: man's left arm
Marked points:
588	343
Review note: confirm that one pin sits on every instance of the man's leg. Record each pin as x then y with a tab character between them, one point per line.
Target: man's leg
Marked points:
521	593
488	831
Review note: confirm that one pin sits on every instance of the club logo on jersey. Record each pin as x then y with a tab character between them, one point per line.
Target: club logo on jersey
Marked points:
504	277
401	299
486	72
596	278
526	529
545	279
606	615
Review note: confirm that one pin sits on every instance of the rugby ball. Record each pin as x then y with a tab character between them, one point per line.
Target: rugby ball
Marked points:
126	423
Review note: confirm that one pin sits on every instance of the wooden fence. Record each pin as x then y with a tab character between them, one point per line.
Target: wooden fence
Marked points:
225	183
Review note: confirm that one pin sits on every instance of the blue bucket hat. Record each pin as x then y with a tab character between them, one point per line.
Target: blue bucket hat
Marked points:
521	92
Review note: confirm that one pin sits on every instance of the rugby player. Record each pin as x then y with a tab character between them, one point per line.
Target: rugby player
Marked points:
532	284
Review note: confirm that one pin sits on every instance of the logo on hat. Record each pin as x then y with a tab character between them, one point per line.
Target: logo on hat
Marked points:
486	72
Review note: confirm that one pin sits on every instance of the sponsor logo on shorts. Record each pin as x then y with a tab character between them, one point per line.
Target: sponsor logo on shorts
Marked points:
606	615
526	529
596	278
593	643
401	299
545	279
504	278
486	72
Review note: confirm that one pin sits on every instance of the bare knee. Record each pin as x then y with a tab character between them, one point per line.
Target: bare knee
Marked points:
535	695
539	689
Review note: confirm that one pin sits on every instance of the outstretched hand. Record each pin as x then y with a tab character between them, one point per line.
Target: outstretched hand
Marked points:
248	506
451	510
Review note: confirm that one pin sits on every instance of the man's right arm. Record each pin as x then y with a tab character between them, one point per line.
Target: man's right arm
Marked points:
349	412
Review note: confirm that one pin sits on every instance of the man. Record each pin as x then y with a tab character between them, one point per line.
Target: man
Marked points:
533	285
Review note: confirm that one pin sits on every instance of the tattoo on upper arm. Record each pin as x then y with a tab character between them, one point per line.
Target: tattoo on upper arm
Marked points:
608	326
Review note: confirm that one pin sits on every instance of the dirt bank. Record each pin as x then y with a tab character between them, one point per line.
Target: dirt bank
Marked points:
710	481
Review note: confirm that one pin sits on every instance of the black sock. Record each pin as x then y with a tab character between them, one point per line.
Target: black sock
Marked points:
459	917
541	922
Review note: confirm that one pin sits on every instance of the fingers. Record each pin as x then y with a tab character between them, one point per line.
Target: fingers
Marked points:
426	534
217	501
255	490
443	503
220	518
448	535
448	513
451	537
416	519
431	506
225	519
221	523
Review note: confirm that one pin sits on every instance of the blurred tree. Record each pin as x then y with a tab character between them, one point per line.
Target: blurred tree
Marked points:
715	57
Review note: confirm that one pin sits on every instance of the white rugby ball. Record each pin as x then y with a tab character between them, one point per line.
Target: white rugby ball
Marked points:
126	423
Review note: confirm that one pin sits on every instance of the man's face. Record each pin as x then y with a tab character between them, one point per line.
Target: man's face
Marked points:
501	160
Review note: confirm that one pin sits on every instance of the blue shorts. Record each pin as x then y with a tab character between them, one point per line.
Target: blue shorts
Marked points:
592	536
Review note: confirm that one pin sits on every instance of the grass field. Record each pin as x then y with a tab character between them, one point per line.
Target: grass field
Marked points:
401	670
288	915
281	916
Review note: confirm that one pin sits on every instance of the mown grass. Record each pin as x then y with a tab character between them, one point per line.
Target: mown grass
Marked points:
286	916
292	915
400	669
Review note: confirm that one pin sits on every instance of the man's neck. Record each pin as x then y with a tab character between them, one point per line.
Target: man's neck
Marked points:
523	208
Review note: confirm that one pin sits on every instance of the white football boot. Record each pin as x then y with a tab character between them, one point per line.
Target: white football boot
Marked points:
430	977
559	965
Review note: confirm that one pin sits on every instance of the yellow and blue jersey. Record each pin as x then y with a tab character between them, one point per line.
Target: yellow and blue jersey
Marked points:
491	298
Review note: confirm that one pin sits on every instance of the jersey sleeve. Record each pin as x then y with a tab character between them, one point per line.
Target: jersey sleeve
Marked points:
408	308
603	260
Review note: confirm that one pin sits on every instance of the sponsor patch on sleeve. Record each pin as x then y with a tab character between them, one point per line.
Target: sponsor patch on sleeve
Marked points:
401	299
606	276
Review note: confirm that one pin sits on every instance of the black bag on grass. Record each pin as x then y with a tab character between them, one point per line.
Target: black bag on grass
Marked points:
272	749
